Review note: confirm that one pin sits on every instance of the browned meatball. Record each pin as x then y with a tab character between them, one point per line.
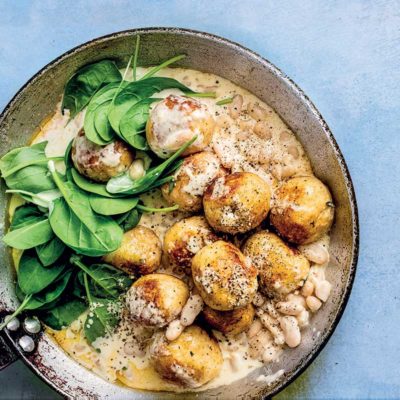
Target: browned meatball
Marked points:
191	180
100	163
230	322
303	210
185	238
236	203
139	253
190	361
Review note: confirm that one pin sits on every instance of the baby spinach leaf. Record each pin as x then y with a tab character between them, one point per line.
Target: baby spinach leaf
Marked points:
85	82
89	186
137	91
106	206
74	222
129	220
133	122
25	215
42	199
50	251
30	235
33	277
22	157
123	183
62	315
104	280
34	178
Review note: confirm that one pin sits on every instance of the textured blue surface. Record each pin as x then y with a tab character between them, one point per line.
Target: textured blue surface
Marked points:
346	56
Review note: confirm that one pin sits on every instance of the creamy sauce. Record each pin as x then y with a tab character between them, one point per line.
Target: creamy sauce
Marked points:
254	140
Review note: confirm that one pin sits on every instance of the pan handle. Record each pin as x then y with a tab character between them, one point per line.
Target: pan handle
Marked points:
7	354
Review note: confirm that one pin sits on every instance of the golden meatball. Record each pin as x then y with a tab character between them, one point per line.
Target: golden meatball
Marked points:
190	361
230	322
236	203
281	269
176	120
191	180
155	300
100	163
185	238
223	276
303	210
140	252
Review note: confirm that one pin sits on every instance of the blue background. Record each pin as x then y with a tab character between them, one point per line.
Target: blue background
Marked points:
346	56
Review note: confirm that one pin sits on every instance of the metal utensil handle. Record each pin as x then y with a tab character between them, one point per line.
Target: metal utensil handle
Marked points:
7	355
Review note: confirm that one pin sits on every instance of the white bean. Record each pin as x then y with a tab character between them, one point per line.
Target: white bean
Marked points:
191	309
271	353
256	111
258	299
270	309
303	319
262	130
136	170
323	290
296	298
307	289
258	343
236	106
313	303
291	330
289	308
175	328
315	252
273	326
254	328
234	360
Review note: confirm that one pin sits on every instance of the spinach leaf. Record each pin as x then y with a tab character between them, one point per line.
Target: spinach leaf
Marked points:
89	186
25	215
103	316
105	280
33	277
42	199
129	220
85	82
133	123
137	91
74	222
124	184
62	315
34	178
50	251
30	235
22	157
106	206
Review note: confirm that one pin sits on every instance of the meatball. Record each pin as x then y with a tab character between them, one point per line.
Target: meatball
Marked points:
190	361
281	269
176	120
223	276
185	238
100	163
140	252
303	210
230	322
191	180
155	300
236	203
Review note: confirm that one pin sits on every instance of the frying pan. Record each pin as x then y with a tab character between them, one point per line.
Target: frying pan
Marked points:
205	52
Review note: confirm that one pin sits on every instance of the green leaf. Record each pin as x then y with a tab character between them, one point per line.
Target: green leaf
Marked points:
89	186
74	222
129	220
25	215
30	235
137	91
83	85
22	157
134	121
103	316
106	206
105	280
62	315
33	178
33	277
50	251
